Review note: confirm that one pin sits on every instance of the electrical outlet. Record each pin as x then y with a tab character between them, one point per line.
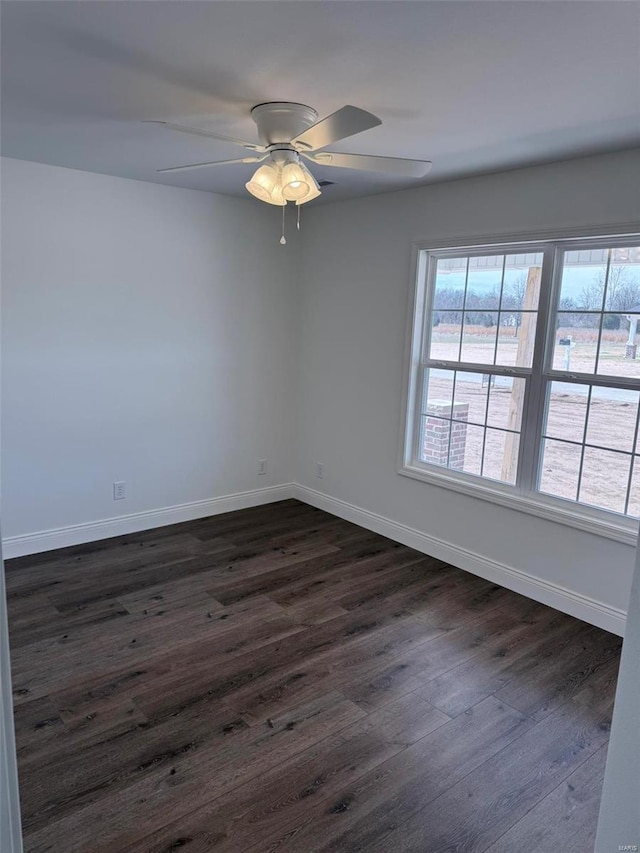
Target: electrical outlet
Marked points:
119	491
262	466
320	469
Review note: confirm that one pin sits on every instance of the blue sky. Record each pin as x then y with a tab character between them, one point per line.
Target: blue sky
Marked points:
486	281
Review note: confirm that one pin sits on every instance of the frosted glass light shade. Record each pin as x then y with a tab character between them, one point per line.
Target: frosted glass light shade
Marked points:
313	193
314	187
294	182
263	182
277	185
276	196
310	179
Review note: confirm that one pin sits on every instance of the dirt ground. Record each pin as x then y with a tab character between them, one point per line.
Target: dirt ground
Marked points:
611	426
478	348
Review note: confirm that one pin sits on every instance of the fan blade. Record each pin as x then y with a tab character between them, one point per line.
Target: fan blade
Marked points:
371	163
338	125
196	131
215	163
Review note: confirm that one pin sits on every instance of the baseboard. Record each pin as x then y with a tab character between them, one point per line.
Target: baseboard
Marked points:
580	606
92	531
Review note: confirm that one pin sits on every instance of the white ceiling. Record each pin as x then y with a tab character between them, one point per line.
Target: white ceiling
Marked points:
473	86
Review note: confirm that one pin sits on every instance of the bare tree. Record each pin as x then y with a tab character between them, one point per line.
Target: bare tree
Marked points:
514	293
622	291
592	294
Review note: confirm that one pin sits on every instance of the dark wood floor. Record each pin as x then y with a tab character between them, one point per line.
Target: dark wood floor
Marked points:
277	679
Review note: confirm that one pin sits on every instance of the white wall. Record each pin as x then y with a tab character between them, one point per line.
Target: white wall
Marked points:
154	335
619	822
145	338
356	286
10	835
149	335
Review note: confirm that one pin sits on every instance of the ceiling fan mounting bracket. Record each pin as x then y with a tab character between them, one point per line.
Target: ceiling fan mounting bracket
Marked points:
283	154
281	121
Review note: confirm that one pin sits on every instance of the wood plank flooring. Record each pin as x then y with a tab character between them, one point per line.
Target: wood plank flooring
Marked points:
278	680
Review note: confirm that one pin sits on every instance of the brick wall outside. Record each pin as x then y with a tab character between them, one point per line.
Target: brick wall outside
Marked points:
434	440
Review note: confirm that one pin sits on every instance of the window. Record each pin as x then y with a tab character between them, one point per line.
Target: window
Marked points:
525	374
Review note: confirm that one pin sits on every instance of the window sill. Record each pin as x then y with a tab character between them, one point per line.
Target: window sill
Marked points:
618	528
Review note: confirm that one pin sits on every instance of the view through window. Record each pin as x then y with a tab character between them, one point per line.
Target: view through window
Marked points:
527	370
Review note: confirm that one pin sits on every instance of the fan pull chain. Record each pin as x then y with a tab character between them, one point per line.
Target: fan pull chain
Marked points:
299	206
283	239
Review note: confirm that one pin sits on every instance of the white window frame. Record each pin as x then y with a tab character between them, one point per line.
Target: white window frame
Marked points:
522	496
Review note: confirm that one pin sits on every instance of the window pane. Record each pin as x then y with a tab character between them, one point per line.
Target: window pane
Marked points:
479	337
612	418
434	440
604	479
449	283
583	282
471	397
516	339
605	282
576	342
469	457
484	285
522	282
566	411
456	444
506	401
560	469
623	283
625	255
445	336
500	455
618	347
572	256
634	494
438	388
454	435
471	292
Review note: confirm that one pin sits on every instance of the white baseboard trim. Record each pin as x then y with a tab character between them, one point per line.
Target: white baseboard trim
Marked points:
566	600
581	606
92	531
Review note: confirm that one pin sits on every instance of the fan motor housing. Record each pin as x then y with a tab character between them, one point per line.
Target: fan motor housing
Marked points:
280	122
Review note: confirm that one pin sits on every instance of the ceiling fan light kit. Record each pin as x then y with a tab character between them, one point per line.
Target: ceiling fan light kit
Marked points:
263	183
294	182
289	131
276	184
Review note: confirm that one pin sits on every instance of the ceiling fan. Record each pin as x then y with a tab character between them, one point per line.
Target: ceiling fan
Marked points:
289	132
